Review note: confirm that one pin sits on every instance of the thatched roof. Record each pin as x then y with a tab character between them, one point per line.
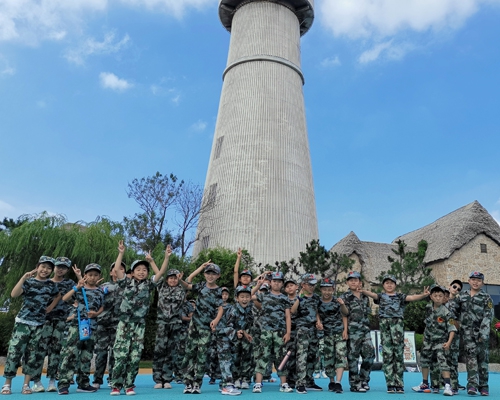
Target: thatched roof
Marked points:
454	230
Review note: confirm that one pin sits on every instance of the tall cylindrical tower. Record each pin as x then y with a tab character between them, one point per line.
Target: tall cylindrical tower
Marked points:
259	177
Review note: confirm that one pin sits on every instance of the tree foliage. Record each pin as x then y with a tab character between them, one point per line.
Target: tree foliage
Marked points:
409	268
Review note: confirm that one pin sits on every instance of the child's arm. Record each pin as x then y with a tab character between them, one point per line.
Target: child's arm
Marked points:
187	283
120	274
319	324
236	273
164	265
447	345
417	297
374	296
343	309
295	306
345	332
53	304
81	283
94	314
257	286
18	289
288	320
214	323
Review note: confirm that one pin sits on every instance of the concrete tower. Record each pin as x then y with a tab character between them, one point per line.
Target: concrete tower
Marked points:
259	175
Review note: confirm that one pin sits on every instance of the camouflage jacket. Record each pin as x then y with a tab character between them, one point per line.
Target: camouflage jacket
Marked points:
438	324
95	300
170	301
237	318
475	314
136	299
272	317
359	311
307	311
112	300
331	317
37	296
207	305
187	308
391	306
63	309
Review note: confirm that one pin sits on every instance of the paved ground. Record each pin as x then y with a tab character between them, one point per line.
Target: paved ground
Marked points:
145	383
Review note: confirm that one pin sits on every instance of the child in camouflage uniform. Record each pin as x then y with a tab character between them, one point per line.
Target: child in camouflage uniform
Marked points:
333	322
55	326
77	354
37	291
291	288
171	296
275	330
107	322
360	341
188	308
134	307
475	309
438	336
306	338
213	362
244	277
391	312
205	319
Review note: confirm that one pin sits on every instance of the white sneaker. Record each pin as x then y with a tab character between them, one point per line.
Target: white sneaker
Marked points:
37	387
285	388
316	375
257	388
244	385
447	390
96	385
52	386
237	383
231	391
323	374
158	386
167	385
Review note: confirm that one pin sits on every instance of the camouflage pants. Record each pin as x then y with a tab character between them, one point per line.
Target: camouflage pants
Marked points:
212	365
127	351
225	357
105	339
196	354
179	367
292	361
75	358
51	345
166	354
24	340
271	350
243	365
435	373
306	355
392	335
476	361
360	345
335	353
433	353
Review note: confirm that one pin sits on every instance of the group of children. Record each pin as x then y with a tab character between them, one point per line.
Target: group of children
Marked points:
273	321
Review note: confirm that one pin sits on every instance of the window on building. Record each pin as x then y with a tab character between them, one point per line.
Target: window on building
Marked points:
483	248
212	193
205	241
218	147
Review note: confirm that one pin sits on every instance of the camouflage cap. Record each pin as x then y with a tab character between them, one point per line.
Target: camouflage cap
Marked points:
309	278
243	289
390	278
246	272
92	267
289	280
63	262
353	274
436	288
172	272
122	264
264	286
327	282
277	276
46	259
476	274
139	262
212	268
224	289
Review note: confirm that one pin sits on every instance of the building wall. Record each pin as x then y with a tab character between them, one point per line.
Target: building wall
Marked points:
469	258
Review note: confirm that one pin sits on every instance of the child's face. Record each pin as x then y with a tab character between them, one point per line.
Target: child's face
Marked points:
276	285
476	283
140	272
245	279
225	296
211	277
326	292
112	273
307	288
353	284
60	271
437	298
455	289
172	280
389	286
244	299
291	289
44	270
92	277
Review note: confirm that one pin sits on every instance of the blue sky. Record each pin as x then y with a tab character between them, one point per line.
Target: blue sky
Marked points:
402	102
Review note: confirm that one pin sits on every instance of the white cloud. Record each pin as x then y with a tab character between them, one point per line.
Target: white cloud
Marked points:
496	216
91	46
5	209
111	81
377	22
175	7
199	126
331	62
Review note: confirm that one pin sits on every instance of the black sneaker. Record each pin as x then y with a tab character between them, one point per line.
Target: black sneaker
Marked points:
63	390
314	387
391	389
331	386
461	387
338	388
86	389
358	389
400	389
301	390
211	381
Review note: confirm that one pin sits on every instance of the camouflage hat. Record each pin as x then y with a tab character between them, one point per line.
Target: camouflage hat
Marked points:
63	262
224	289
212	268
246	272
309	278
139	262
476	274
436	288
172	272
46	259
353	274
92	267
327	282
277	276
390	278
289	280
264	286
243	289
122	264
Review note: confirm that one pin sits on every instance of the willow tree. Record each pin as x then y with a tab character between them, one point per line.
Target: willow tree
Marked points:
53	235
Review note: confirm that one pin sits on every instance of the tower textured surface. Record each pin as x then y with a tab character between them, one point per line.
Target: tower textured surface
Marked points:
259	175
